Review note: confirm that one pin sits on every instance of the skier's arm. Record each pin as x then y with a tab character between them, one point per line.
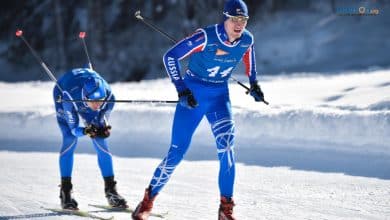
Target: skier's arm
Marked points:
250	70
71	116
106	110
179	51
250	64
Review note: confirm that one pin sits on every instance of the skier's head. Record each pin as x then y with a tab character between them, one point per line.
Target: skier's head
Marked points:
94	90
235	8
235	17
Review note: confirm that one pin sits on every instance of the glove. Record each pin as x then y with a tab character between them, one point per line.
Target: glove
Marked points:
186	99
91	131
104	132
256	92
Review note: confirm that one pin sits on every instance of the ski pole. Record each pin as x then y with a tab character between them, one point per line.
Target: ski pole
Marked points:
19	33
154	27
82	35
247	89
122	101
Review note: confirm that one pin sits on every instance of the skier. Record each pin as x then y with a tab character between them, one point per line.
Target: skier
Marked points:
85	84
203	91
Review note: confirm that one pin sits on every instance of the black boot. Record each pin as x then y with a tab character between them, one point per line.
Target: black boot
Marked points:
67	201
113	197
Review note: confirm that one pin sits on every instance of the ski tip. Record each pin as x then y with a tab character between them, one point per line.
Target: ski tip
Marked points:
82	34
19	33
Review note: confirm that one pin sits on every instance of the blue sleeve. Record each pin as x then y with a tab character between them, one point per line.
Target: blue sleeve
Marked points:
179	51
249	60
71	116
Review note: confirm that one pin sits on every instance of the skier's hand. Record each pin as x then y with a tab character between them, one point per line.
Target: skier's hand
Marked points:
186	99
91	131
256	92
104	132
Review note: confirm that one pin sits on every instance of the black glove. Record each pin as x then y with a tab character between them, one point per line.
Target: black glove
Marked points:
256	92
104	132
91	131
186	99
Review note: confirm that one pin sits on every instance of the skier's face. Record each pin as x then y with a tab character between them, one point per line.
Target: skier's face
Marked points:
235	26
95	105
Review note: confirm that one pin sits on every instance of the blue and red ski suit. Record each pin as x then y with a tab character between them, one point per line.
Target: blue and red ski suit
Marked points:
211	62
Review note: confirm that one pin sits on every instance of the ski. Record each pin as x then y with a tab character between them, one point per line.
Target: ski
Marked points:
80	213
128	210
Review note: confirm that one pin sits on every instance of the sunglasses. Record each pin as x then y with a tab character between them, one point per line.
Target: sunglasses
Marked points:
241	19
96	100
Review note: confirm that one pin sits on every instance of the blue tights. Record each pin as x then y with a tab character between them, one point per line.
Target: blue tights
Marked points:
69	144
214	103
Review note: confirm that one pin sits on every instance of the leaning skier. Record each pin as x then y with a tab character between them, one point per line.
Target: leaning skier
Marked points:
85	84
213	53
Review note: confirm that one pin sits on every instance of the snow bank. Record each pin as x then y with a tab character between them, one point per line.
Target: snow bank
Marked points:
344	112
359	132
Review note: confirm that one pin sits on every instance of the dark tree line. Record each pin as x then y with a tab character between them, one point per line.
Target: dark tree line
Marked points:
121	47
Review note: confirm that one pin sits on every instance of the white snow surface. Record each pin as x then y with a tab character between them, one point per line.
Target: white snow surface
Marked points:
320	150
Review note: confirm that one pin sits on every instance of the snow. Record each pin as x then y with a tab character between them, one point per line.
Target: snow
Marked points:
320	150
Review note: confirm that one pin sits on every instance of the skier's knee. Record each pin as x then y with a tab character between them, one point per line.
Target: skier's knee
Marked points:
68	146
224	133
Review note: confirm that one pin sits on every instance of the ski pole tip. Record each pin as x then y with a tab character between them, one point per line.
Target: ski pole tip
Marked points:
19	33
82	34
137	14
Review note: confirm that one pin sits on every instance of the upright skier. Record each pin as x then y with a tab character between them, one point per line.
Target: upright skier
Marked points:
203	91
85	84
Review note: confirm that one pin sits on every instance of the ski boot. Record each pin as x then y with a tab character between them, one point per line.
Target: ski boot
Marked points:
67	201
225	211
113	198
144	208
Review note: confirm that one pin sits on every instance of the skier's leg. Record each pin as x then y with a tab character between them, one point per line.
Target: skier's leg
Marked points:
222	126
184	124
69	141
69	144
104	157
107	171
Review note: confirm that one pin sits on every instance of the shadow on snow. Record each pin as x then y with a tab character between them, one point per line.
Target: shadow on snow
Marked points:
314	158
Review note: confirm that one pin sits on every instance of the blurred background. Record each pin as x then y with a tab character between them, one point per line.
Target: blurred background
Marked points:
328	36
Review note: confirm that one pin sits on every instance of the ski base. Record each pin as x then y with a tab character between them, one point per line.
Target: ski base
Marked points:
128	210
80	213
